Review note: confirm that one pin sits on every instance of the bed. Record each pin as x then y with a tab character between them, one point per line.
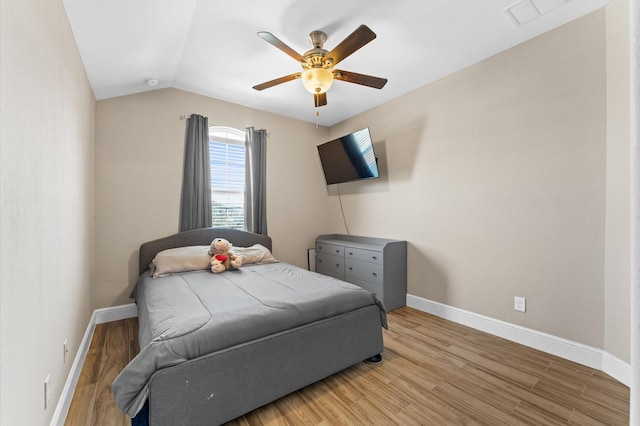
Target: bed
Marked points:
216	346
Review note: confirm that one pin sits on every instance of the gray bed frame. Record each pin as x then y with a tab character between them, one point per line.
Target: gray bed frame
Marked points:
224	385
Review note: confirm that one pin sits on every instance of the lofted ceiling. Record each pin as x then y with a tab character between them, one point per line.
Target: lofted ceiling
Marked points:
210	47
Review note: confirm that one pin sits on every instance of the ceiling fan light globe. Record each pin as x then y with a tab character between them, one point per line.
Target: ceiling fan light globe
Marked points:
317	80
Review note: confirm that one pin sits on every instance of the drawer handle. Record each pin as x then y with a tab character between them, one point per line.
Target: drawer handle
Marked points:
350	253
337	265
350	268
337	250
374	258
374	274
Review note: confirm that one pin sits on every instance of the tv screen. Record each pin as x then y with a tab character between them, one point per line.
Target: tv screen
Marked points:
349	158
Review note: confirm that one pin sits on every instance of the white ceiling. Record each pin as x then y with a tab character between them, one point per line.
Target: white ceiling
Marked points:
210	47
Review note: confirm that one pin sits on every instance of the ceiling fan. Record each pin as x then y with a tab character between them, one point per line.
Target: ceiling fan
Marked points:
318	72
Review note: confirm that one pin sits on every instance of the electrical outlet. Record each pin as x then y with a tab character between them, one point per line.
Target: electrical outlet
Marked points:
65	351
520	304
46	391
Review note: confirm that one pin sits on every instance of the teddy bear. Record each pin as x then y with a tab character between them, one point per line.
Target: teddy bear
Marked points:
222	258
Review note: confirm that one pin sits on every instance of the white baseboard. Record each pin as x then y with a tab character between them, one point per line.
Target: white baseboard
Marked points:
115	313
99	316
62	408
567	349
616	368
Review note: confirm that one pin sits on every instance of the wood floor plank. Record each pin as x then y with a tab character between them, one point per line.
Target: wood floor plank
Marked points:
430	415
81	408
296	411
413	338
480	409
345	389
270	415
328	405
596	410
426	359
385	396
502	350
97	340
90	374
580	419
602	386
500	369
531	361
438	411
553	387
405	318
492	395
534	415
369	413
543	402
420	379
105	411
605	398
442	332
434	372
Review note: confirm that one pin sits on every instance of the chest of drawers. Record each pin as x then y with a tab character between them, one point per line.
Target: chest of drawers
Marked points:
376	264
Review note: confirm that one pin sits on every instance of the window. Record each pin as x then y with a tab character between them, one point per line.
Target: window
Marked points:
226	159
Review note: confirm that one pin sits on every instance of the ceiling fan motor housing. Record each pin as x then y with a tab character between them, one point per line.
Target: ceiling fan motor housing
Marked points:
315	58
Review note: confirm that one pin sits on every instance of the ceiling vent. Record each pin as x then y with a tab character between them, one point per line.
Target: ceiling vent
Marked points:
526	11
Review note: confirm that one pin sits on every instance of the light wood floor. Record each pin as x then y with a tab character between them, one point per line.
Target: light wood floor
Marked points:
435	372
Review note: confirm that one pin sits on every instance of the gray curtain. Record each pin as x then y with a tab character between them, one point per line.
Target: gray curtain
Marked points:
195	202
255	196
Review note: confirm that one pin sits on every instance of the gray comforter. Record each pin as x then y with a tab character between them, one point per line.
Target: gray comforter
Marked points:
187	315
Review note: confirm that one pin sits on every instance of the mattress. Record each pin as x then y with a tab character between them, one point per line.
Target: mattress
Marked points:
187	315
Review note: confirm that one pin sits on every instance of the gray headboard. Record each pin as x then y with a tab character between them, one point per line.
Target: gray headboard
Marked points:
199	237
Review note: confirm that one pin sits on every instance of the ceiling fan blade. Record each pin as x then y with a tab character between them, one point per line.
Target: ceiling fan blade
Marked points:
319	99
277	81
363	79
270	38
354	41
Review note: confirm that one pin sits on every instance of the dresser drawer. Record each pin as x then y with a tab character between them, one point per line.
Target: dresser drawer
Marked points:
329	249
371	272
329	262
371	288
364	255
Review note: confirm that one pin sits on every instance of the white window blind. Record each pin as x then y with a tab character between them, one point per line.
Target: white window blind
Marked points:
226	158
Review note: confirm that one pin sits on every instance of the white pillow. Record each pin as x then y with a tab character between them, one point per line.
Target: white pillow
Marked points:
181	259
257	254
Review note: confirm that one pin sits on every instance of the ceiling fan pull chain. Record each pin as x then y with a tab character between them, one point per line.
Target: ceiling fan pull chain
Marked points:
317	116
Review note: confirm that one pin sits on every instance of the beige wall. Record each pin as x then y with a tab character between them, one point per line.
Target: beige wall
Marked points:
618	220
496	177
139	154
47	206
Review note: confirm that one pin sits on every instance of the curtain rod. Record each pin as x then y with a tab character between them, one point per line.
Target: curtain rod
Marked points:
185	116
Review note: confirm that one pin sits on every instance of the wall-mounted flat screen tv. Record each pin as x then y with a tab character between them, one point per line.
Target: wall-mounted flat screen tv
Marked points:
349	158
